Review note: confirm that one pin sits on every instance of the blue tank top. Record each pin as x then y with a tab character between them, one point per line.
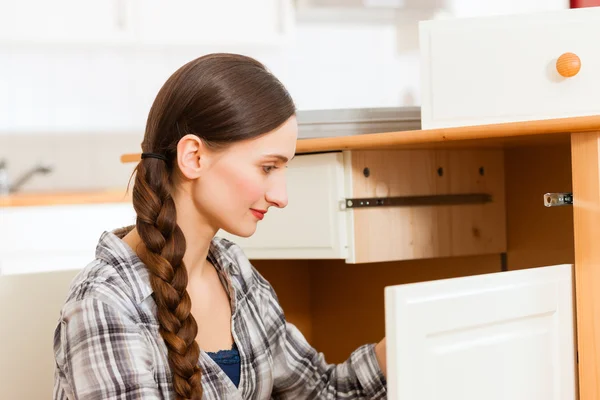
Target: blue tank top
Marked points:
229	361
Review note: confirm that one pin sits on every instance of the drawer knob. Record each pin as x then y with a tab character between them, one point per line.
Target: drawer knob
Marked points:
568	65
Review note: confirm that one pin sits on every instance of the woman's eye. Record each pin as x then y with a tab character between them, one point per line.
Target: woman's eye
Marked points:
268	168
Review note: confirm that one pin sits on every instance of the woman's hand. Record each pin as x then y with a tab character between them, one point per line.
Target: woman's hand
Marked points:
380	351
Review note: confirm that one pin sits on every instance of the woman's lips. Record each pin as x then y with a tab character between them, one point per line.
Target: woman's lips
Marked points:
260	214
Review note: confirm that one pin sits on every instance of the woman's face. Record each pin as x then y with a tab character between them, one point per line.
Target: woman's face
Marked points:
237	186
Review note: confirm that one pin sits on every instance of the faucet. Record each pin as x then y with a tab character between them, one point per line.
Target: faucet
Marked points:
6	187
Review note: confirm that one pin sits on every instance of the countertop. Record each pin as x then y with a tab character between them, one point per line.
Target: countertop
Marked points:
65	198
495	135
548	131
506	134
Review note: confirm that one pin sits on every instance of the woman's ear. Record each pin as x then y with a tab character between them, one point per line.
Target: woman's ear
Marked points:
190	151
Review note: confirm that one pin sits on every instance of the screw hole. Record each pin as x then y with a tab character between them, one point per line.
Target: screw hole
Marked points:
366	172
481	171
440	171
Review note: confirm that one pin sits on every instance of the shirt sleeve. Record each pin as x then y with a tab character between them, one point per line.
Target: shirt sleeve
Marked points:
101	354
300	372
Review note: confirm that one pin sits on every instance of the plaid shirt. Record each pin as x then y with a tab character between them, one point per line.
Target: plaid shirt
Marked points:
107	344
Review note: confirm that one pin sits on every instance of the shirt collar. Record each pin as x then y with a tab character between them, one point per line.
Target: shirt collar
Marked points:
133	271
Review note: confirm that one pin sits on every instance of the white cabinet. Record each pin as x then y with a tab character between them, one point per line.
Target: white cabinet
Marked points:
496	336
503	69
29	315
312	225
52	238
65	21
146	22
207	22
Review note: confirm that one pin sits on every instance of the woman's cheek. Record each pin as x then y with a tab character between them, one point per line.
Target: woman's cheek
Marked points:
249	187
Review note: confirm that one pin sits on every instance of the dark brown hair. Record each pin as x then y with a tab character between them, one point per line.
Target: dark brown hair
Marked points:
222	99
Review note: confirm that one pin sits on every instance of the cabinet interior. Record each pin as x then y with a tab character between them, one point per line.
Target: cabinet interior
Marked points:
422	232
339	306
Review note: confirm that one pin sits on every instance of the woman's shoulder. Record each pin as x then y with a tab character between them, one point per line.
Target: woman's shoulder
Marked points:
115	278
99	283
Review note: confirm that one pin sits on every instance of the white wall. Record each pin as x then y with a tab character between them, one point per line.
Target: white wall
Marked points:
110	90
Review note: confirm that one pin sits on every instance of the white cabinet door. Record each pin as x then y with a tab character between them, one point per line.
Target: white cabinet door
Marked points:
208	22
501	336
65	21
29	315
503	69
312	225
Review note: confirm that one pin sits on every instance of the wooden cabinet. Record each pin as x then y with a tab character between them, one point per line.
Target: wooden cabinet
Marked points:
146	22
535	67
536	330
554	300
504	69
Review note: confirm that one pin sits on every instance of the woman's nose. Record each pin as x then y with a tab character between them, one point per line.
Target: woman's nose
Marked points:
277	196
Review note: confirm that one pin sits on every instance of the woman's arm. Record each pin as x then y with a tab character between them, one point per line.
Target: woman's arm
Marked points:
300	372
101	354
380	351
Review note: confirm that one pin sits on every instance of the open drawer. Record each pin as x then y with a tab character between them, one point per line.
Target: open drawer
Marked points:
322	221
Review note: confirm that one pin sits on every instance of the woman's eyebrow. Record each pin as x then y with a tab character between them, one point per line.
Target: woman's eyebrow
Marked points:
277	156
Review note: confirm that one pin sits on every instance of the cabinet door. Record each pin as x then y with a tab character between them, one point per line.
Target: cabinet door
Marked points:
29	315
501	336
207	22
65	21
312	225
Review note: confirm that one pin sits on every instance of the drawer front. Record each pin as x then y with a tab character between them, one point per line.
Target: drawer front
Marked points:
503	69
311	225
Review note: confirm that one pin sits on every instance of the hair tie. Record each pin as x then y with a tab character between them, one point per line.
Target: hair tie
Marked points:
155	155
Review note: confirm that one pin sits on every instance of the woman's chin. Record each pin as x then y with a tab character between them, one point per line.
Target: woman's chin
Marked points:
242	231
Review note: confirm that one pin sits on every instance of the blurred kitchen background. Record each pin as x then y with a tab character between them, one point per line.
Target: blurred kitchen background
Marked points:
77	78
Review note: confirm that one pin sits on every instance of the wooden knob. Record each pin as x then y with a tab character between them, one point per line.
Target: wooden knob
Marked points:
568	65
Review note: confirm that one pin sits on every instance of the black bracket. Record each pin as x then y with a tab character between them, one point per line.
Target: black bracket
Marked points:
410	201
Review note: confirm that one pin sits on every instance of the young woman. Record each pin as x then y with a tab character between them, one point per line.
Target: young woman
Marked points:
169	311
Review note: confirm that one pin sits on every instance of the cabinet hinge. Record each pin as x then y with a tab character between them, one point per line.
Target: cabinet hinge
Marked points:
558	199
